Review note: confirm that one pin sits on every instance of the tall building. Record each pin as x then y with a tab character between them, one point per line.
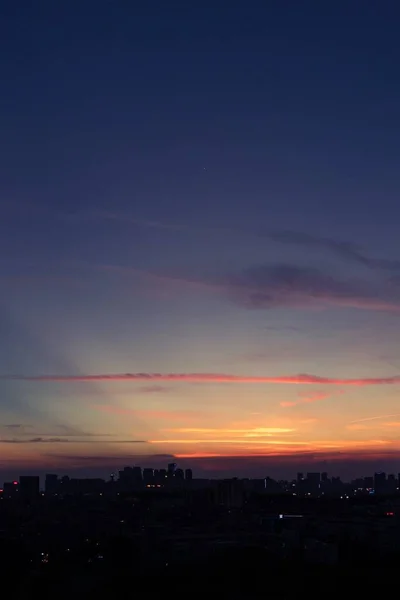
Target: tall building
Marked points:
171	469
313	482
229	493
51	483
10	489
29	486
380	483
391	484
148	476
179	474
130	478
188	474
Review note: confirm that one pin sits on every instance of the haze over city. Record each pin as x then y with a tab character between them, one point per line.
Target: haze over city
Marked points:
199	241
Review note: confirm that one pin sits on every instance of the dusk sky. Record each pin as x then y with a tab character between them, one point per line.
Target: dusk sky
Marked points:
199	235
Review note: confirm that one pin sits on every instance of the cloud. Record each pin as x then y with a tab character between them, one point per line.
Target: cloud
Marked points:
36	440
218	378
365	427
310	398
166	415
376	418
267	446
248	432
340	248
235	441
153	389
344	250
274	286
108	459
69	432
55	440
268	286
307	400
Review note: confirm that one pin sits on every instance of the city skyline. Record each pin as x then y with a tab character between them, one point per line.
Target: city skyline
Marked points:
199	238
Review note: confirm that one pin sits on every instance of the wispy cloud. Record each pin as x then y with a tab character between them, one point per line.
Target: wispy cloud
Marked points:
153	389
165	415
342	249
357	427
247	432
375	418
310	398
233	441
371	425
265	287
64	440
300	379
36	440
273	286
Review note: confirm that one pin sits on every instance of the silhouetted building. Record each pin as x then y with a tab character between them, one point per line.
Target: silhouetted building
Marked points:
380	483
51	483
313	482
171	469
179	474
391	484
10	489
130	478
29	487
271	486
368	483
188	474
148	476
86	486
230	493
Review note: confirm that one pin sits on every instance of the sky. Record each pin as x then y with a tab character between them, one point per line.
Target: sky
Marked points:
199	250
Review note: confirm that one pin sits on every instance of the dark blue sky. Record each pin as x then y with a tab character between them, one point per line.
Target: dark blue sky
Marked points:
189	188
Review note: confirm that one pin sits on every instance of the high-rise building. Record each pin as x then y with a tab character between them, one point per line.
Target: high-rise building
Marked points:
10	489
229	493
29	486
51	483
391	484
188	474
313	482
130	478
148	476
380	483
179	474
368	483
171	469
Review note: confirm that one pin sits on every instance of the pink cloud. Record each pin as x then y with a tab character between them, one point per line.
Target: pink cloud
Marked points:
301	379
375	418
166	415
153	389
309	398
272	286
